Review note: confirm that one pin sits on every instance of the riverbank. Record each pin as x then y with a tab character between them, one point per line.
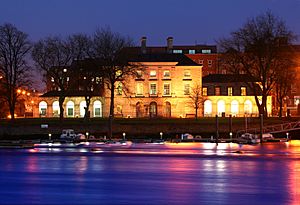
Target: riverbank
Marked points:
40	128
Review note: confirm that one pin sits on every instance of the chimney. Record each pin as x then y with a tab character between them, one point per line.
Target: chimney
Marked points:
169	44
143	44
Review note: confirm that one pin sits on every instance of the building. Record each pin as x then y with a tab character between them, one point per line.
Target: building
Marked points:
162	88
80	81
229	94
205	55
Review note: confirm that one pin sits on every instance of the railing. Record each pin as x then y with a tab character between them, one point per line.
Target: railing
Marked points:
285	127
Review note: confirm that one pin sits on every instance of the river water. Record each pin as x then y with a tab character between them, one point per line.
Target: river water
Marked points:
183	173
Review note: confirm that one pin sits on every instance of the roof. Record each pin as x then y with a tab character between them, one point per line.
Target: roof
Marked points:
227	78
71	93
165	57
164	49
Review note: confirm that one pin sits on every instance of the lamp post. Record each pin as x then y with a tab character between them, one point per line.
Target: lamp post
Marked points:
230	134
124	134
87	135
49	136
287	136
161	135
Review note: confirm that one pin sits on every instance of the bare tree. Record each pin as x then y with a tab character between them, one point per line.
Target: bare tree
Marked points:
196	98
256	50
14	48
284	79
89	79
84	70
53	56
108	48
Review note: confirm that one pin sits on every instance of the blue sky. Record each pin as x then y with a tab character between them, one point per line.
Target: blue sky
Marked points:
188	21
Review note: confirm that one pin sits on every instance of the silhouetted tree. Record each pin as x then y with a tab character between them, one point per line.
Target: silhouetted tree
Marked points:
53	56
14	48
285	77
196	98
108	48
256	49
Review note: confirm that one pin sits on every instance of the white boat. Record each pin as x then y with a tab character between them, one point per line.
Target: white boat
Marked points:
249	138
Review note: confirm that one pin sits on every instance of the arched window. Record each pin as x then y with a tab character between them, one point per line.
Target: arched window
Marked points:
55	108
168	109
82	106
153	109
70	109
207	108
248	107
234	107
43	108
221	107
138	107
97	109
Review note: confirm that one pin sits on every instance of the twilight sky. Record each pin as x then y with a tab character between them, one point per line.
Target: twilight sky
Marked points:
188	21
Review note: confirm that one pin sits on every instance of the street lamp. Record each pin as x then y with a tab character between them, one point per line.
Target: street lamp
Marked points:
287	136
230	134
87	135
124	134
161	135
49	136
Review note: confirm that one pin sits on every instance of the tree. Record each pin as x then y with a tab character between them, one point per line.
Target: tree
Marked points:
284	79
196	98
108	48
89	79
53	56
256	50
84	70
14	48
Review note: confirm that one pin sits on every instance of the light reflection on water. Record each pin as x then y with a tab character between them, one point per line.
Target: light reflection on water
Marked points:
147	174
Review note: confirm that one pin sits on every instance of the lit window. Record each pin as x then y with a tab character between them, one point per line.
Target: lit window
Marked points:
119	109
209	62
204	91
243	91
177	51
206	51
98	80
55	108
229	91
97	109
70	109
43	108
167	89
192	51
68	79
186	89
139	74
118	73
248	107
187	73
52	79
167	74
221	107
119	88
152	73
207	108
82	107
234	107
139	89
152	89
217	91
